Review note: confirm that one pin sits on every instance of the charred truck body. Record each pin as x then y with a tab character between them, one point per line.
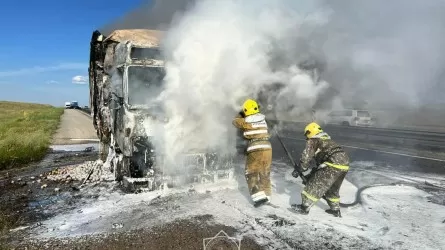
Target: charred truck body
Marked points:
126	74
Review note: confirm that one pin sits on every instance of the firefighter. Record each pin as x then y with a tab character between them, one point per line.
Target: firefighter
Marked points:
325	180
258	152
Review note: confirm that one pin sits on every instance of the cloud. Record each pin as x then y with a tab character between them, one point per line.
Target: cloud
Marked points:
52	82
42	69
80	80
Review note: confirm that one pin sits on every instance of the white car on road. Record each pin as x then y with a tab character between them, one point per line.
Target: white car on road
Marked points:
350	117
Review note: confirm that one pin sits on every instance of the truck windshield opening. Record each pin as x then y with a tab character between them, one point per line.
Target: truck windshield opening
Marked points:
363	114
144	84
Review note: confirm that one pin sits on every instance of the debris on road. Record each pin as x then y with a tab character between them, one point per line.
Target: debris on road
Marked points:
88	172
117	225
19	229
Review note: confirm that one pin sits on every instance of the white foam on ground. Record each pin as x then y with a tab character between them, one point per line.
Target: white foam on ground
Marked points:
395	216
389	173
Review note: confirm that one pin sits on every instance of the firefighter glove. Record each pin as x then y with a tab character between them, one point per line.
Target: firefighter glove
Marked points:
295	173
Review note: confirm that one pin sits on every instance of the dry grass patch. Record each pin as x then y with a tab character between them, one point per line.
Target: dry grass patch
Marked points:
25	132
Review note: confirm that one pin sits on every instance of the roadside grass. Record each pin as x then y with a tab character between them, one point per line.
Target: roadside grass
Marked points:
26	130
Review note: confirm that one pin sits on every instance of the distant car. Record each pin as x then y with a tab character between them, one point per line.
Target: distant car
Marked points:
350	117
67	105
75	105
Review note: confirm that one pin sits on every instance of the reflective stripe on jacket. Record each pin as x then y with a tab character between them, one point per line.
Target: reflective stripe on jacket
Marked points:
324	150
255	130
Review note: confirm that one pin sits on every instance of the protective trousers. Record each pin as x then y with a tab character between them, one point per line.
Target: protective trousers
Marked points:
326	183
258	174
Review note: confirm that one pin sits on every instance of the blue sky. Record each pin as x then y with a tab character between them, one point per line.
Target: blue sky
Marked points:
44	48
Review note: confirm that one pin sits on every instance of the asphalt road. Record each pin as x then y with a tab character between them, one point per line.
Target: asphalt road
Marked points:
371	166
76	127
414	141
400	160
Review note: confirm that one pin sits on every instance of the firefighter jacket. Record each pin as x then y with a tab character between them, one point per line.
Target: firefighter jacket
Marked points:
255	131
325	152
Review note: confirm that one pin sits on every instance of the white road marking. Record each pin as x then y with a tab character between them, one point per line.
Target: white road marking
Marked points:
400	177
387	175
376	150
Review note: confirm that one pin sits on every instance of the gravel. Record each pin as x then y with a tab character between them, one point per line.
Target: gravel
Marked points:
180	234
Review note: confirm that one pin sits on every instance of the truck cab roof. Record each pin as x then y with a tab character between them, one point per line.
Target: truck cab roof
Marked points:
138	37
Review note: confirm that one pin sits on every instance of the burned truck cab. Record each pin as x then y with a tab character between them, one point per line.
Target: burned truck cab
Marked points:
126	81
137	84
126	76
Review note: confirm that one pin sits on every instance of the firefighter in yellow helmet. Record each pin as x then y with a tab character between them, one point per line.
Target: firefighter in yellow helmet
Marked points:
325	180
258	151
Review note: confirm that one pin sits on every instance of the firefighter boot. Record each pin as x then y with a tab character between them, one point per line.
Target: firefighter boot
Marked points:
258	197
336	212
301	209
261	202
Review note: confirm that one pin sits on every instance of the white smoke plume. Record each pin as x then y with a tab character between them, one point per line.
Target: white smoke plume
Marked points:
381	55
220	53
385	55
389	49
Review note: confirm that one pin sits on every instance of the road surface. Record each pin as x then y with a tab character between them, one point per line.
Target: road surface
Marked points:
378	153
76	127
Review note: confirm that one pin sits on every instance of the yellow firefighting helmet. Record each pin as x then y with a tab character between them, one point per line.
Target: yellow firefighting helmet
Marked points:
312	129
250	107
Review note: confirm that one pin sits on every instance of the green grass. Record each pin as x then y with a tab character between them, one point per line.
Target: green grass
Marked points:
25	132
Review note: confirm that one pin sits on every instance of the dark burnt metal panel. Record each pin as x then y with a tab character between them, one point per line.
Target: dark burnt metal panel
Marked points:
95	74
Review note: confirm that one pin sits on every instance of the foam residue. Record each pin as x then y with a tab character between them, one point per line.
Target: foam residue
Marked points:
389	217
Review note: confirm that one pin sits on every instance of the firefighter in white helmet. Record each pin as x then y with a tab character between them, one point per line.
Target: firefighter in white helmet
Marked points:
258	151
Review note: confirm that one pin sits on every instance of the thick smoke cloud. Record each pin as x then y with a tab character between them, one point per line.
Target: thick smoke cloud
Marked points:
156	14
387	53
220	53
381	55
